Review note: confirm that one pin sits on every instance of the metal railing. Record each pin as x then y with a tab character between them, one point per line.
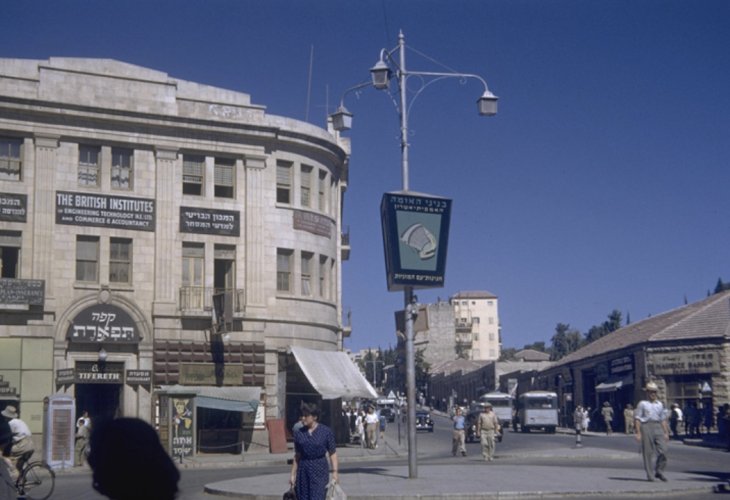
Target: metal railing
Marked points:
200	298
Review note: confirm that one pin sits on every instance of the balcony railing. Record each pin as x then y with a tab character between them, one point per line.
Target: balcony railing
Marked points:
198	299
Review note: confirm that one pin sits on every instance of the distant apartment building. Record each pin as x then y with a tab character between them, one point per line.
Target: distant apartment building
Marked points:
476	316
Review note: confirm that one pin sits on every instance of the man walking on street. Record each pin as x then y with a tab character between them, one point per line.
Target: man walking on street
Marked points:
459	436
487	428
652	432
607	413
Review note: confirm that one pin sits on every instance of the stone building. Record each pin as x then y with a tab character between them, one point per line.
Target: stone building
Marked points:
477	324
160	237
686	351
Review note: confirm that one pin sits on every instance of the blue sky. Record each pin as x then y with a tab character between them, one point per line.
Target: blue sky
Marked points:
601	184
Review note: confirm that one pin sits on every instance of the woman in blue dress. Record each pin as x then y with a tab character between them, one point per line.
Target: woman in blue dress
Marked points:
310	468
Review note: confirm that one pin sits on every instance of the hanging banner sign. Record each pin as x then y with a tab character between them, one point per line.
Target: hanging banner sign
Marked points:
415	239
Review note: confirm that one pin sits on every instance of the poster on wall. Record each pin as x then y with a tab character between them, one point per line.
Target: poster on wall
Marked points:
182	426
415	239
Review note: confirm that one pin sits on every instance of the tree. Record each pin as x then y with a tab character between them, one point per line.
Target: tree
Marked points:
721	286
612	324
565	341
536	346
507	354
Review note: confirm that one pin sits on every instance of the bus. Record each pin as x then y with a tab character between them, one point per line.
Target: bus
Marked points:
537	410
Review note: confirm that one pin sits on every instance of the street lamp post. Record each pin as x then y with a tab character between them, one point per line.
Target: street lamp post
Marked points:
381	74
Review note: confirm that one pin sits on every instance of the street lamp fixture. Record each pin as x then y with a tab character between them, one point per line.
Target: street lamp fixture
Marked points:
384	70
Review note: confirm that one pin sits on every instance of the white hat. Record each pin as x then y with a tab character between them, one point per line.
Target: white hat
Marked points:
10	412
651	386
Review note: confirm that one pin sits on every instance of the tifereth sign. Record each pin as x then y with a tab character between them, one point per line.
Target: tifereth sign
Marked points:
415	239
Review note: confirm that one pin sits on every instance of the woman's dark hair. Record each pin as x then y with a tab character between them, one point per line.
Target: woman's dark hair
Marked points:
129	462
310	409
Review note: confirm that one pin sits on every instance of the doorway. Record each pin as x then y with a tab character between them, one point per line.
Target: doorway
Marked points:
102	401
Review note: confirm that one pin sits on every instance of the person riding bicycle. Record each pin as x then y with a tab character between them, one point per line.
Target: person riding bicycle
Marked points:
7	485
22	447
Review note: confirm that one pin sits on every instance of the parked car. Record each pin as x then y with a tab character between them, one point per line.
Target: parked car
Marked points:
423	421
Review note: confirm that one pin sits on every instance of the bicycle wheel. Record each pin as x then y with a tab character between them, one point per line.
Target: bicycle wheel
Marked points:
37	481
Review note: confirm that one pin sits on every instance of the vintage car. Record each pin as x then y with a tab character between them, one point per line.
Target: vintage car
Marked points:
423	421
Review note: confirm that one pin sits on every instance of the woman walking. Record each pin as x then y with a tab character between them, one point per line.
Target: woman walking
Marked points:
313	442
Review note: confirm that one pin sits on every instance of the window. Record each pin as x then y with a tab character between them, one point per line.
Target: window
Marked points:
121	177
10	164
305	186
87	258
283	270
120	260
475	319
223	177
88	172
192	295
193	174
9	254
306	273
323	276
323	191
283	182
193	264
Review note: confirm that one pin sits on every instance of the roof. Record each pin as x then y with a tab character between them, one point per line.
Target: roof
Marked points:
532	355
705	319
455	365
474	294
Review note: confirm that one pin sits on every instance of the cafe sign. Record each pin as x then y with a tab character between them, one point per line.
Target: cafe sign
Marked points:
684	363
103	323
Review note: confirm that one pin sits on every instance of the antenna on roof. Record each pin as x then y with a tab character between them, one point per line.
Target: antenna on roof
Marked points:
309	82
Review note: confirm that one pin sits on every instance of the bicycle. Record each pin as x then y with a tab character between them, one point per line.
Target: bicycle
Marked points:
36	481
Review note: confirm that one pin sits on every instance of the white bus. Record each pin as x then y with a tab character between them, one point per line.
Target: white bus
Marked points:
537	410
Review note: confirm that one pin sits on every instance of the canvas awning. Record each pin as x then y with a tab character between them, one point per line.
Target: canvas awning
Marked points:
243	399
612	385
333	374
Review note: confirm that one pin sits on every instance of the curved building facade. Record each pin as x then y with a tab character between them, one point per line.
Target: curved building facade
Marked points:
155	233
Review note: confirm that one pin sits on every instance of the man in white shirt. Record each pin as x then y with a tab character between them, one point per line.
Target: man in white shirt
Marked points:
23	447
652	432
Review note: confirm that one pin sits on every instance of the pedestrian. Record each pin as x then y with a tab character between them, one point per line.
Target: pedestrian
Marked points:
83	432
22	447
313	443
652	432
629	419
7	484
586	418
129	462
487	428
674	420
459	435
607	414
381	424
578	419
360	424
371	428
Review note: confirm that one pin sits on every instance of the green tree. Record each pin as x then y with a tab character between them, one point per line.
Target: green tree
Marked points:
507	354
565	341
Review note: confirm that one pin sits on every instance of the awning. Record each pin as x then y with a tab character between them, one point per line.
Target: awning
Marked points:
243	399
333	374
614	384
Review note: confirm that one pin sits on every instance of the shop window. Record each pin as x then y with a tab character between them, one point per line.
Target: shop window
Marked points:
120	260
122	168
193	174
10	159
10	254
224	171
87	258
89	167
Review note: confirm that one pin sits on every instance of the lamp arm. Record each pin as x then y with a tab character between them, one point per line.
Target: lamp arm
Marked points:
353	89
435	78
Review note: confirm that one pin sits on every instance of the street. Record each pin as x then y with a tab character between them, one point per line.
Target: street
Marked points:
518	449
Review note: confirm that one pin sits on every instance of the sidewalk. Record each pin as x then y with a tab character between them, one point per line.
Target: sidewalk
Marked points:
368	474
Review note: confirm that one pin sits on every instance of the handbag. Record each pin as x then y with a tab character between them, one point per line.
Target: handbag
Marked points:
290	494
335	492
